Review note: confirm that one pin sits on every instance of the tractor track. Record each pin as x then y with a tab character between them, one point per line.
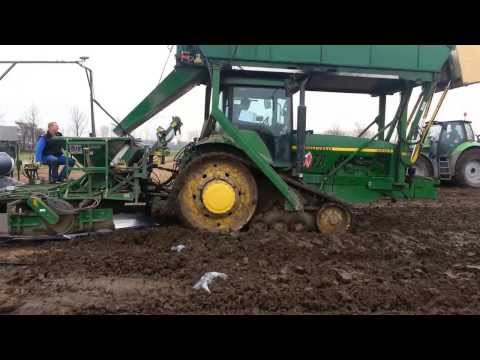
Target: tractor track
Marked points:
418	257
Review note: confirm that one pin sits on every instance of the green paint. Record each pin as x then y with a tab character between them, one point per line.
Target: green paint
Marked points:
42	210
243	144
258	160
253	140
465	146
90	219
421	58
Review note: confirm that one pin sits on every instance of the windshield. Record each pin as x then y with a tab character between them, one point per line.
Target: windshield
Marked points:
470	134
264	108
434	133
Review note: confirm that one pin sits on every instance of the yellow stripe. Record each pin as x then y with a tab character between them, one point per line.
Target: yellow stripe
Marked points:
345	149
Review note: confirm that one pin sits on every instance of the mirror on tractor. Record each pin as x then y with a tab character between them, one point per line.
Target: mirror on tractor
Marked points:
478	138
267	103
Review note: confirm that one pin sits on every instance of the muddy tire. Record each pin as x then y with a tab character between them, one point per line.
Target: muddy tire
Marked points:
217	193
467	169
423	167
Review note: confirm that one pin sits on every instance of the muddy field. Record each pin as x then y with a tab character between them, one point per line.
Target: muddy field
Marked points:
401	258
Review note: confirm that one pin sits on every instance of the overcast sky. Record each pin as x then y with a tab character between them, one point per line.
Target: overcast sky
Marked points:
124	75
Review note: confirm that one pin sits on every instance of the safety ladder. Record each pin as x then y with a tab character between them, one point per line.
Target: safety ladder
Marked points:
444	169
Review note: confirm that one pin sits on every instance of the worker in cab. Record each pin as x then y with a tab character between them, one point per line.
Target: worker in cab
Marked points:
51	153
245	113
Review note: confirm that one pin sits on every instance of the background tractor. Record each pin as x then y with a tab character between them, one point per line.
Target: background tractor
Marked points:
451	152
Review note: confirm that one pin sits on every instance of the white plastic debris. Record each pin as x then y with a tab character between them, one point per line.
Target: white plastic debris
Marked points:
178	248
206	279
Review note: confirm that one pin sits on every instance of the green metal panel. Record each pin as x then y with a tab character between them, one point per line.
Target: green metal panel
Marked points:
42	210
423	188
347	55
464	146
422	58
380	183
290	195
86	219
431	57
213	51
355	194
253	140
19	223
295	53
345	141
248	53
261	163
396	56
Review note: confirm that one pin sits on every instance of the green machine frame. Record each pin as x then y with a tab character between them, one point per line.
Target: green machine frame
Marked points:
116	171
369	69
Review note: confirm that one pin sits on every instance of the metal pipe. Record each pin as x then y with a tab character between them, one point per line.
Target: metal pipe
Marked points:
7	71
89	74
110	116
208	94
400	110
382	106
301	129
39	62
368	127
428	125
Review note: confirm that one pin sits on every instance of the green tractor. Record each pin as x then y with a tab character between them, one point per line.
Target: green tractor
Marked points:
451	152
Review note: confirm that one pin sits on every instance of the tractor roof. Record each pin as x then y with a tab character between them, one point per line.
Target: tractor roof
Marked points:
451	121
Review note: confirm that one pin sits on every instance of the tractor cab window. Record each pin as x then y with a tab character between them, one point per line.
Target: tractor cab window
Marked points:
434	134
267	111
470	134
452	136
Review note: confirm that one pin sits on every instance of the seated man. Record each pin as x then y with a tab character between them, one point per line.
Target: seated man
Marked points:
51	153
245	113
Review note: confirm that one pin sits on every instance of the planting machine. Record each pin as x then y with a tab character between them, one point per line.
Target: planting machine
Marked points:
254	163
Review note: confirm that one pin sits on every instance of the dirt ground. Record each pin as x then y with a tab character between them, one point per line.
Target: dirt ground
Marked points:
419	257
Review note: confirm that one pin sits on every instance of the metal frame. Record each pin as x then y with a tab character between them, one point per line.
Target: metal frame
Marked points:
88	73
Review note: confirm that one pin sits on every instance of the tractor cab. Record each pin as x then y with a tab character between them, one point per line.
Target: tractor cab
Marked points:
451	151
445	136
266	111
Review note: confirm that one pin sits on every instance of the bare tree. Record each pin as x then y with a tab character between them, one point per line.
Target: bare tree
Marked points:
358	129
335	131
79	122
32	118
104	131
28	129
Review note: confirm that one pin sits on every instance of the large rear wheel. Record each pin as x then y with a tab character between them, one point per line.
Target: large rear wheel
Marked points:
423	167
216	193
467	172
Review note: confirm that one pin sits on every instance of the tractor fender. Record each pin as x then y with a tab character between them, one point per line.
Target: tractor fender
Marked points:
459	151
434	168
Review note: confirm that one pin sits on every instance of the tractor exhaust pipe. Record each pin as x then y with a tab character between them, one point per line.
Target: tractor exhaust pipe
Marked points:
301	130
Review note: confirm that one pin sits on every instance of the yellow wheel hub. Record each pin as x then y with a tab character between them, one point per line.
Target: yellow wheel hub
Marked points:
218	197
